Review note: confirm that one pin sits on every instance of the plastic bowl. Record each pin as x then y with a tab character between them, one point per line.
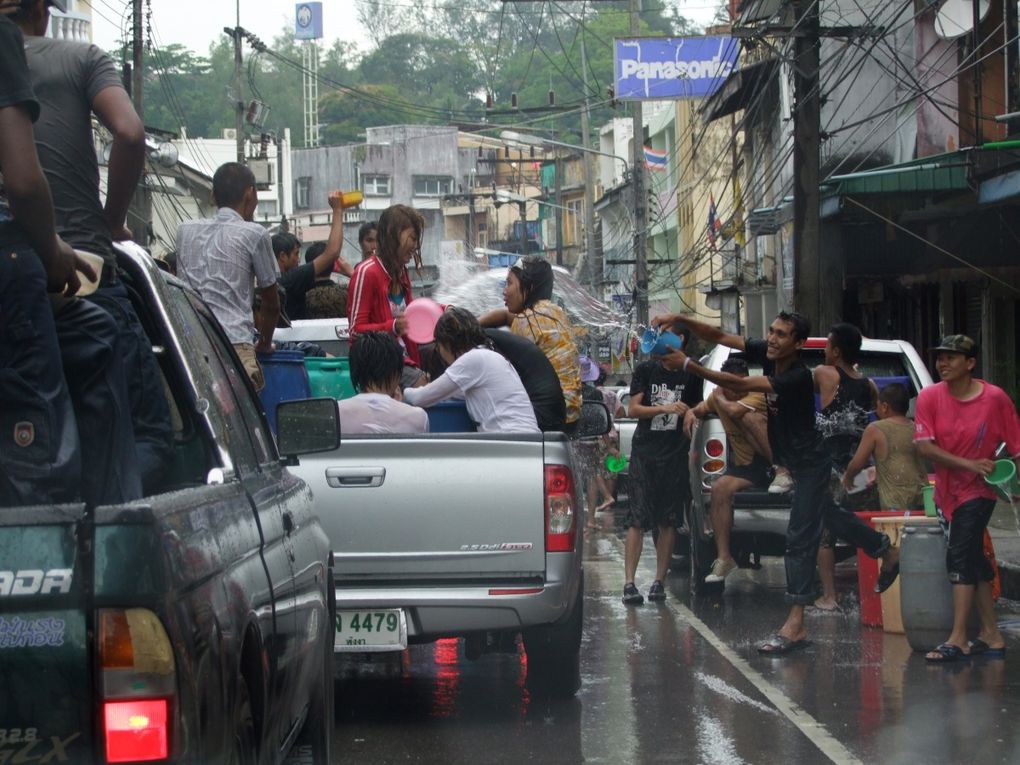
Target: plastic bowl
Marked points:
616	463
659	343
422	315
1003	479
88	286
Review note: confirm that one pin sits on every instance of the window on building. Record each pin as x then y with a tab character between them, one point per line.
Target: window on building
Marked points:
432	185
573	221
376	185
302	191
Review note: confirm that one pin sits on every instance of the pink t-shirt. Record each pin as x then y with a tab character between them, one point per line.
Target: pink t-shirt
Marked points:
970	429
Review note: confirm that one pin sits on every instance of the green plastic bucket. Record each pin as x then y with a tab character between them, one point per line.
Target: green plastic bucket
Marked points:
1004	480
616	463
928	495
329	377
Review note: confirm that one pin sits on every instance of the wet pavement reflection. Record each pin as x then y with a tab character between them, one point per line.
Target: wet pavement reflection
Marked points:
681	682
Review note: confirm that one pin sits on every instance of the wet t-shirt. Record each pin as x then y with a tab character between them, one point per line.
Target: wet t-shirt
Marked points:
793	437
15	90
663	435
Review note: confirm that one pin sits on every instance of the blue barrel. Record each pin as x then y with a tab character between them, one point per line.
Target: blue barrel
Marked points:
450	417
286	379
926	596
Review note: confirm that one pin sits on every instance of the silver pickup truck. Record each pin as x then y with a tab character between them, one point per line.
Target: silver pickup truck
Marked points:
473	535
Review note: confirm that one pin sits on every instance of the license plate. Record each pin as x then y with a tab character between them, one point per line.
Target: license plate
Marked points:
381	630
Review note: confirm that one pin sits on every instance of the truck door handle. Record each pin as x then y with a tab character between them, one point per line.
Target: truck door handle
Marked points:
355	477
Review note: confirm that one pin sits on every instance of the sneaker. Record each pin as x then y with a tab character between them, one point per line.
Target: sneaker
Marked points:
631	596
657	591
781	484
720	570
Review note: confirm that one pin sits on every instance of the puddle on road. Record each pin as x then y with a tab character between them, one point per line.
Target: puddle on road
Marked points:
720	686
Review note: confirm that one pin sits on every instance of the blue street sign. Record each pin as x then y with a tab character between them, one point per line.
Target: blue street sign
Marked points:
651	68
308	21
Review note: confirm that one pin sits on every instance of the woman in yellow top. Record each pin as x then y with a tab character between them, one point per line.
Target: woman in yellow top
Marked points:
531	313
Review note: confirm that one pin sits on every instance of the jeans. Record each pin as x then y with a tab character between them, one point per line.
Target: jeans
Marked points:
93	361
150	413
812	506
40	458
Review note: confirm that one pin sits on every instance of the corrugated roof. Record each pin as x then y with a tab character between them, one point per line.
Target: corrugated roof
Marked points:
940	172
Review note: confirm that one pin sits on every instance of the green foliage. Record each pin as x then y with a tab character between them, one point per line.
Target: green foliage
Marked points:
411	75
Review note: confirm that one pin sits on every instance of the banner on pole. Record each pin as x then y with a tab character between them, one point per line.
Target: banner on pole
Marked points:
654	68
308	21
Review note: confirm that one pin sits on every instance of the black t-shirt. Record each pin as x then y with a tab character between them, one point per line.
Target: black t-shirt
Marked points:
537	374
15	90
663	435
297	282
791	409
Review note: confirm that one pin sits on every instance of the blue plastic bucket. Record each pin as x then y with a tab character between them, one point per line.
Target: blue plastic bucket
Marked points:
659	343
286	379
450	417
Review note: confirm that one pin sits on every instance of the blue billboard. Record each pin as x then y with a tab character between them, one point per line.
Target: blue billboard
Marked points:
308	21
650	68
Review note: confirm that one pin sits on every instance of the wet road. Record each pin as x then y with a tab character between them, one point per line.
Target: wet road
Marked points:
681	682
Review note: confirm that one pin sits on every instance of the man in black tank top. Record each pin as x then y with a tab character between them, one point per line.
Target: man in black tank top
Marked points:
846	397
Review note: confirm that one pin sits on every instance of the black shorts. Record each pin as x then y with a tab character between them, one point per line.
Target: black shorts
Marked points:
659	490
965	555
758	471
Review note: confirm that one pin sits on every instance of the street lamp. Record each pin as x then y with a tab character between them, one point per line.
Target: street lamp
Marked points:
512	136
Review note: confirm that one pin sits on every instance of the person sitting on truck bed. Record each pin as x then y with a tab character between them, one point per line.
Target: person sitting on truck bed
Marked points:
536	373
531	313
491	388
748	458
796	443
377	362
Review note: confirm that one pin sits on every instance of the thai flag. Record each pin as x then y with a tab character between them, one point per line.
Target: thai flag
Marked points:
714	224
656	160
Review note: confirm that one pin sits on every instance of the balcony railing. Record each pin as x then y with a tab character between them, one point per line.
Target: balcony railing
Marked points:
70	26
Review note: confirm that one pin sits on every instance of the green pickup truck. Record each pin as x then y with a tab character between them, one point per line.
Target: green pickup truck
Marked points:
194	625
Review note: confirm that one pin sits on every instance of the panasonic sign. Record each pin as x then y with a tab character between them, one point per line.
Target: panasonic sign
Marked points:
653	68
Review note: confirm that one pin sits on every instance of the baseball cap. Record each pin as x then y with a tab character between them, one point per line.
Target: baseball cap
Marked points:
957	344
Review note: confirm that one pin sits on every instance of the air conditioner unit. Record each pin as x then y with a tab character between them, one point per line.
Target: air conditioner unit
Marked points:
229	134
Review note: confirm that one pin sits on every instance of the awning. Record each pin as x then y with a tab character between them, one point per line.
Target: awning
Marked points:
739	89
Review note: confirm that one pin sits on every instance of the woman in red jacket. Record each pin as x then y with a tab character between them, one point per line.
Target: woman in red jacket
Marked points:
380	288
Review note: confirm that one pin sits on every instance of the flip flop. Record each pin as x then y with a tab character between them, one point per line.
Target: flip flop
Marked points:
979	647
779	645
886	578
947	653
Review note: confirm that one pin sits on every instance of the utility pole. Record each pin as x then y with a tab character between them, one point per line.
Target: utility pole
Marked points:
558	210
522	206
140	211
637	168
806	121
594	257
238	94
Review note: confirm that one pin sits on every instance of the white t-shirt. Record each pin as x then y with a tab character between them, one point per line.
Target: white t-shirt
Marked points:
491	389
378	413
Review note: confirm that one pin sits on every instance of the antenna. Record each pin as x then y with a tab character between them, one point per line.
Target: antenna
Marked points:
955	18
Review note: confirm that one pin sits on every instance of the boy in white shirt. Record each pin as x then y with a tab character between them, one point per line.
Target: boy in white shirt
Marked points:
377	362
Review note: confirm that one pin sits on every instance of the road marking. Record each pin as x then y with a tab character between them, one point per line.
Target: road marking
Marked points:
815	731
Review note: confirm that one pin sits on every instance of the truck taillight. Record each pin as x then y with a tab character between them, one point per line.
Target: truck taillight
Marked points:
138	684
560	516
714	448
136	731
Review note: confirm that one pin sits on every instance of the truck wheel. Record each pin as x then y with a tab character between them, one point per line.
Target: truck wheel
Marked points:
245	749
316	738
701	556
554	654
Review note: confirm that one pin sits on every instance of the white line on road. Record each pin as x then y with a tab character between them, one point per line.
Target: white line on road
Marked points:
816	732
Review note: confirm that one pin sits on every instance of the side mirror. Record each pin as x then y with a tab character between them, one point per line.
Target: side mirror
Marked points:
594	420
307	426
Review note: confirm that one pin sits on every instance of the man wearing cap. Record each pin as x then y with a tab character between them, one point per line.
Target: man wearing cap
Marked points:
959	424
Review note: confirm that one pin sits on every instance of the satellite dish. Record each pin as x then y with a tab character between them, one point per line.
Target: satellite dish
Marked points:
955	18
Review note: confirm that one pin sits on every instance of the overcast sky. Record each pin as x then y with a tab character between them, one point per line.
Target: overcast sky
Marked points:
196	23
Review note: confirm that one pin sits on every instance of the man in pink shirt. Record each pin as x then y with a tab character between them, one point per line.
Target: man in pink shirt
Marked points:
958	425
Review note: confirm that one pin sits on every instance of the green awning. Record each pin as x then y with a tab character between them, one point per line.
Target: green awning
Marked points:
937	173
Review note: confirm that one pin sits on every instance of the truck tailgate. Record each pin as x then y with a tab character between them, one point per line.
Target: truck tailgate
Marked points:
47	706
432	508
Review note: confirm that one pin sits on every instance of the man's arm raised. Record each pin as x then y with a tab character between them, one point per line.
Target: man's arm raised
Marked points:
680	360
704	331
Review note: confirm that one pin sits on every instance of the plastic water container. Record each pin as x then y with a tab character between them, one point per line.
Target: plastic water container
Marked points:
926	596
659	342
330	377
867	573
286	380
1003	479
892	619
450	417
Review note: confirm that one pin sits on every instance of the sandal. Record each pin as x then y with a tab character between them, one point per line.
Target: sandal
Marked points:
779	645
886	578
979	647
945	653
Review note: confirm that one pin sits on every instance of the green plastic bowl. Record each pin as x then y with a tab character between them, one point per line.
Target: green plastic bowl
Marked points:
616	464
1004	479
